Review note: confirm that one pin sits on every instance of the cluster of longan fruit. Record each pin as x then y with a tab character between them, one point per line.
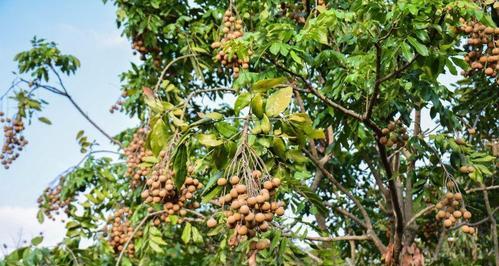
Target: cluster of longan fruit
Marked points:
52	203
139	46
232	29
13	140
394	134
293	11
121	231
448	210
118	105
161	190
249	211
135	152
483	49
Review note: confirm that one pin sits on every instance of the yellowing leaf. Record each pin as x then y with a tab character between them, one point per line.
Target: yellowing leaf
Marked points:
263	85
278	101
209	140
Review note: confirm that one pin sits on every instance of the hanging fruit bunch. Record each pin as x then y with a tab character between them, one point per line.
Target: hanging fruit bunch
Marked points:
161	189
248	199
395	134
13	140
232	29
139	46
482	47
121	231
450	209
135	153
118	105
52	202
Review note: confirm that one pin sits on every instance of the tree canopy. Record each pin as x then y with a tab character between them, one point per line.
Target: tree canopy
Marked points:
280	133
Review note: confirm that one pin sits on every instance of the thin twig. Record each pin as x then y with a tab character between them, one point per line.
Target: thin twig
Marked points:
481	189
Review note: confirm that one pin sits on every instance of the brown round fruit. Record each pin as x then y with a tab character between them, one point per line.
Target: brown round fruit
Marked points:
234	180
221	181
211	223
448	223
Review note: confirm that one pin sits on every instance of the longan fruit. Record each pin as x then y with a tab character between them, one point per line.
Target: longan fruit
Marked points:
383	140
471	230
467	215
241	188
268	185
385	131
249	217
256	174
265	206
234	180
244	209
448	223
235	205
470	169
269	216
458	196
222	181
183	212
279	211
439	205
237	216
242	230
252	201
233	193
449	195
259	217
457	214
441	214
264	226
189	181
262	244
465	229
260	199
231	219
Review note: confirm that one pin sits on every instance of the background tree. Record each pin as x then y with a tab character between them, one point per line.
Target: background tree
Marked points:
320	159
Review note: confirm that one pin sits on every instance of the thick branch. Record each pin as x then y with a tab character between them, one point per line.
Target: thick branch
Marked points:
493	224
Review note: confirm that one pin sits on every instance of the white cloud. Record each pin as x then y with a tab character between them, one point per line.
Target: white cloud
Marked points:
18	224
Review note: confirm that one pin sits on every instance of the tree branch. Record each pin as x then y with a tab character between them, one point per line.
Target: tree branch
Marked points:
482	189
357	203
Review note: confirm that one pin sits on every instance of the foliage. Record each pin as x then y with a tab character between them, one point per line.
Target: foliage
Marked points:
331	104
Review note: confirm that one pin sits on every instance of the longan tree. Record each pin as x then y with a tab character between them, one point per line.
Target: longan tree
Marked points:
281	133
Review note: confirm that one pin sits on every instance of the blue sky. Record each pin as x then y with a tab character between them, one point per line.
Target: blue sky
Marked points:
86	29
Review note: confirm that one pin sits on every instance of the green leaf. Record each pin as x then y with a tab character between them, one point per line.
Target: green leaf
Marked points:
150	159
263	85
420	48
226	129
209	140
36	240
278	101
45	120
186	234
180	165
265	124
158	137
305	191
155	247
214	193
39	216
214	116
80	134
196	236
257	105
242	101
